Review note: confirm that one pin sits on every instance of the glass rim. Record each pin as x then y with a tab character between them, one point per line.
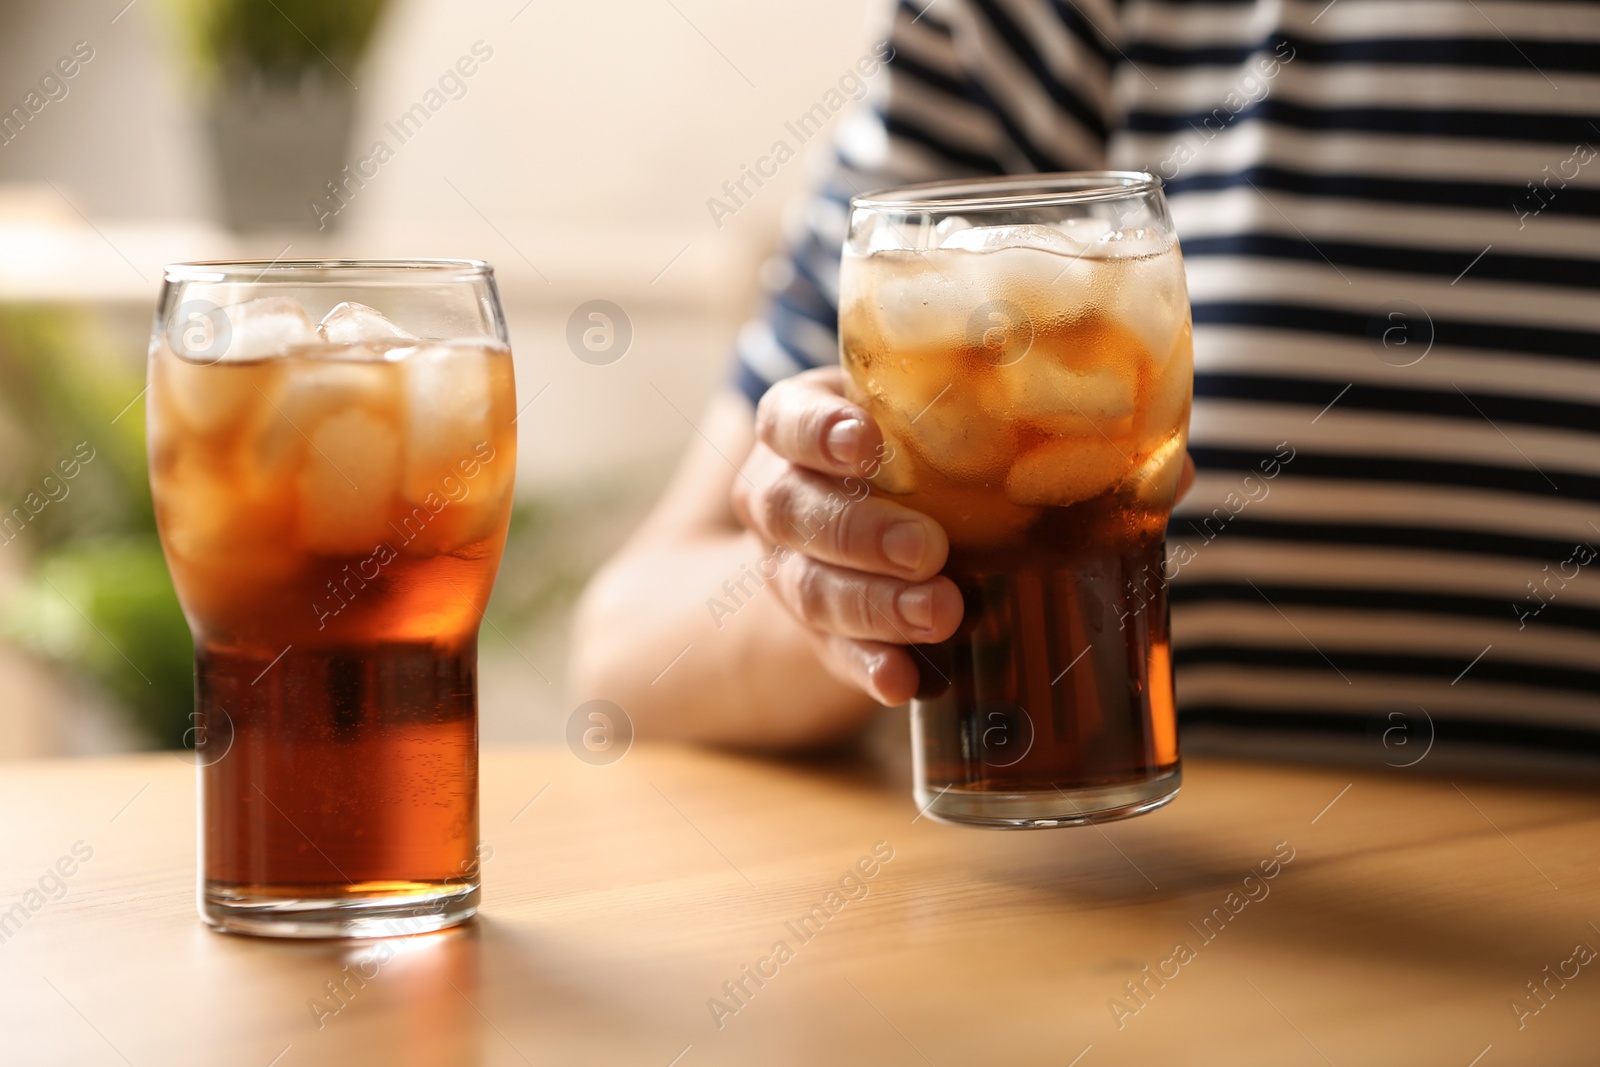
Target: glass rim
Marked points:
1031	190
303	270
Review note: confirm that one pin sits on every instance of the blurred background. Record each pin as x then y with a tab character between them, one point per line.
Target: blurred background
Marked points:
574	146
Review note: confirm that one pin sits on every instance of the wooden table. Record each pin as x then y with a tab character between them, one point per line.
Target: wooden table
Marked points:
1407	923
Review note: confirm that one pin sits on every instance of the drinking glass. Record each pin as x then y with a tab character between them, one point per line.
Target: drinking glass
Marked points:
1025	345
331	459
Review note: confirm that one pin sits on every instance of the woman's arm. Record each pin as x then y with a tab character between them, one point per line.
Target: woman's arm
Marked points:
744	674
768	600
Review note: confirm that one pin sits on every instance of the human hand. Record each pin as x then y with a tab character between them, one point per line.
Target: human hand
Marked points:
858	571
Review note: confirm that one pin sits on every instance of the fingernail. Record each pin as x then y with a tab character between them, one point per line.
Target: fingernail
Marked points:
915	604
844	440
872	664
904	543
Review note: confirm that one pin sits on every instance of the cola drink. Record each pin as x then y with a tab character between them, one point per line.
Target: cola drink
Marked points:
333	500
1030	365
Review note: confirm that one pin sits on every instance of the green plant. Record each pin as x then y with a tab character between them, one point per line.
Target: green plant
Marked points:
106	610
62	383
95	597
277	39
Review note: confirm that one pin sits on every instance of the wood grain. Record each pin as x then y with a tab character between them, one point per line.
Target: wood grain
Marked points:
1411	915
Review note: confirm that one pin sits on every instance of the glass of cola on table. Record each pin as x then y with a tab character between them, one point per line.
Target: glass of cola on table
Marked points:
1024	343
332	453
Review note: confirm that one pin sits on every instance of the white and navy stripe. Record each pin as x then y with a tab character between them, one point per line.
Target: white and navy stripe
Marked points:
1345	177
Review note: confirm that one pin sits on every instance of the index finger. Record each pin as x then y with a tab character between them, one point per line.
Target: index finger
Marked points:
808	421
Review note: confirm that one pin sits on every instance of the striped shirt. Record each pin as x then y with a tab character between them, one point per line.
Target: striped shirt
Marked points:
1390	218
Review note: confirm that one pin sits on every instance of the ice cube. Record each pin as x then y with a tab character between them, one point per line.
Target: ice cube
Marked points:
264	327
347	485
483	512
1077	378
350	322
890	471
215	518
1041	287
1155	480
1067	471
204	377
879	233
313	390
947	226
964	444
899	382
1039	388
1085	231
447	402
1102	394
994	238
1164	403
894	473
194	504
903	302
207	399
1147	294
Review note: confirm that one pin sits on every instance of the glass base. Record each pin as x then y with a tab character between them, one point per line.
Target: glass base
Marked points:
421	909
1044	810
